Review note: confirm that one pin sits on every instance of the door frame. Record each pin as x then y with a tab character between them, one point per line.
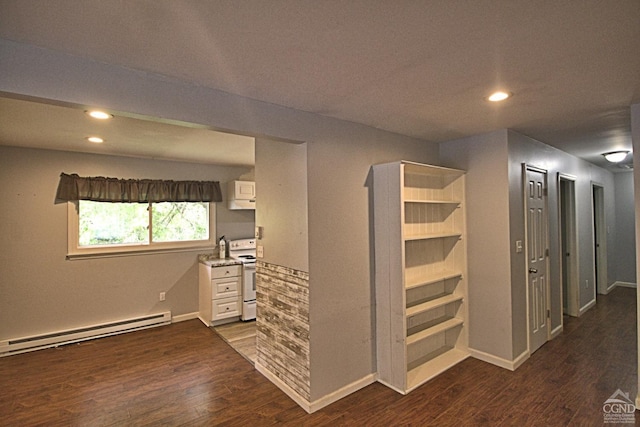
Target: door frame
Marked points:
573	285
599	257
527	167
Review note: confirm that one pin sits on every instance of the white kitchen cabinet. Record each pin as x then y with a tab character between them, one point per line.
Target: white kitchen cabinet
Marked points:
241	195
420	272
220	295
225	308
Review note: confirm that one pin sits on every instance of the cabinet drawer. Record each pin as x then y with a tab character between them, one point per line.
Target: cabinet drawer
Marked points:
226	271
226	307
222	288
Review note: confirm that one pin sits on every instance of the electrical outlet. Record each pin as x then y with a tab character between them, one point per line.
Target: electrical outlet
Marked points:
162	296
586	284
260	251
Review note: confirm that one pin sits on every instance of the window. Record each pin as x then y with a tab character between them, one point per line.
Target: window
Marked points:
104	228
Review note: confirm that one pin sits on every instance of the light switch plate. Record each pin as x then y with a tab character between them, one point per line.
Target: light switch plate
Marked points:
518	246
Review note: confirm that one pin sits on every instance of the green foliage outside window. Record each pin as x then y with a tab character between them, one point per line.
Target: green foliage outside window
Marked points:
103	223
174	222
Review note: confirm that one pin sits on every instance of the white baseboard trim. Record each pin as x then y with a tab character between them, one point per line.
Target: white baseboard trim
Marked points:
301	401
511	365
625	284
557	331
328	399
586	307
521	359
317	404
609	288
386	384
183	317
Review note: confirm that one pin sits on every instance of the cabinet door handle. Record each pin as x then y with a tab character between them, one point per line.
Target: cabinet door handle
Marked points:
533	270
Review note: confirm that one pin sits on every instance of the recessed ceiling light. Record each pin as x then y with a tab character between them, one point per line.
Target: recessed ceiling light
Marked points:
95	139
616	156
100	115
499	96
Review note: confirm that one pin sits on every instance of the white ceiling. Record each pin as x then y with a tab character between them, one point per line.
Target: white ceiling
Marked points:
419	68
38	125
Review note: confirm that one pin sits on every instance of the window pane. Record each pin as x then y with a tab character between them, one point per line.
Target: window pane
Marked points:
104	223
180	221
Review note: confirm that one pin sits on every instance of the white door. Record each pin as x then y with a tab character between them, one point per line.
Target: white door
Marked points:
537	291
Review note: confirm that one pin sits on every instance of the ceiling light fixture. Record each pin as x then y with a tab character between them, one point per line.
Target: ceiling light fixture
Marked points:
95	139
616	156
100	115
499	96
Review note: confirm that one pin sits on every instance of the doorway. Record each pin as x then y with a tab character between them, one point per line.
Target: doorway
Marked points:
536	224
599	240
567	220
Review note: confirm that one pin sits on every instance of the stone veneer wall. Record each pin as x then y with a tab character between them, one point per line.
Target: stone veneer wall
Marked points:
283	324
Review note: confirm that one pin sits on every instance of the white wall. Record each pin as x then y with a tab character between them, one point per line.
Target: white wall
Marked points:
523	149
281	202
485	158
625	250
494	197
341	257
339	156
635	139
41	291
526	150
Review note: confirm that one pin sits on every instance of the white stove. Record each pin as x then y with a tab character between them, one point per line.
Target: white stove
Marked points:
244	250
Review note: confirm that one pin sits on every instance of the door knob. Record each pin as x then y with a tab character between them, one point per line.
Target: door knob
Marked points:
533	270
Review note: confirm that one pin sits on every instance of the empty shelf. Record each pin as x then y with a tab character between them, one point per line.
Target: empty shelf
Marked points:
434	202
427	236
434	330
415	282
433	367
434	303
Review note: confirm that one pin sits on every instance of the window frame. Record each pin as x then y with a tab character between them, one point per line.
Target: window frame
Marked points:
74	251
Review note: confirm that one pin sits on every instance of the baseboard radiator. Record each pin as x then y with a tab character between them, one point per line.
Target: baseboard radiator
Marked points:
54	339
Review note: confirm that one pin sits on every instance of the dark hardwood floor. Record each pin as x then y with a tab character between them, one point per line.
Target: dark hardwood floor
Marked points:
184	374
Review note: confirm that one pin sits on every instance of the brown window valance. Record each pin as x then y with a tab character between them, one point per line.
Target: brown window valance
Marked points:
101	189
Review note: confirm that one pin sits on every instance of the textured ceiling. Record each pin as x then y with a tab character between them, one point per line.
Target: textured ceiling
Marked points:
419	68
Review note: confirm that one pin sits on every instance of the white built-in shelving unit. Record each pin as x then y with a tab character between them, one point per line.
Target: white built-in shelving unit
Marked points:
420	263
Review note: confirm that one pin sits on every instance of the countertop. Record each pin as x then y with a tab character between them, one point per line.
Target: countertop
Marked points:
214	261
